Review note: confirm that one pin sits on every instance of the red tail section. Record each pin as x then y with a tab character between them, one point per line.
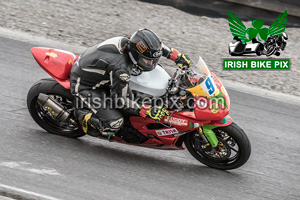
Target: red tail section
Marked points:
57	63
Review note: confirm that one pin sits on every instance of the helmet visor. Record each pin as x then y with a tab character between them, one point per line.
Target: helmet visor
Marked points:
147	64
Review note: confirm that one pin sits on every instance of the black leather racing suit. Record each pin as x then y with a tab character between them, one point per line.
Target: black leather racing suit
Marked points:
104	71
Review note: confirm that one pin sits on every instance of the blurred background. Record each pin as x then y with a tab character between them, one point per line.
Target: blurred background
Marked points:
194	27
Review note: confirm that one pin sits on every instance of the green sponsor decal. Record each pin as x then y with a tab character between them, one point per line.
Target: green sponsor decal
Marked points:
224	120
193	125
256	64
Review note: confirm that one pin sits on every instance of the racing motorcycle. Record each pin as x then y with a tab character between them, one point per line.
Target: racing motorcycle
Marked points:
275	43
196	99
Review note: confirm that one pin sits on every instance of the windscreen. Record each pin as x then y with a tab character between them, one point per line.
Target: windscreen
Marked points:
202	81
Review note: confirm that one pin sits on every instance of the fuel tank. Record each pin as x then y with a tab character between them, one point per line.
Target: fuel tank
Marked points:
153	83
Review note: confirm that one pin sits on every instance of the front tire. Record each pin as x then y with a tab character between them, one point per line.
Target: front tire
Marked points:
270	50
42	117
233	150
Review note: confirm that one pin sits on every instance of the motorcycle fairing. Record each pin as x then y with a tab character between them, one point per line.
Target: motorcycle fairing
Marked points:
208	86
163	137
194	122
226	121
223	92
167	137
57	63
212	109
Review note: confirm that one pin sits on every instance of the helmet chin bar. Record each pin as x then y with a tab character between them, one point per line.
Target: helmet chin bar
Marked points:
134	61
132	58
139	65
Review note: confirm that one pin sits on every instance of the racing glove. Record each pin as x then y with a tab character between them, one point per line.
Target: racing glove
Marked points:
180	59
155	113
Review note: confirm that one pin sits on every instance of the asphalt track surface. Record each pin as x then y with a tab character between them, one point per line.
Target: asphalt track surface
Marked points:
89	168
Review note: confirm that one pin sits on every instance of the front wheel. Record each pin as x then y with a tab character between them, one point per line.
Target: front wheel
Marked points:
232	151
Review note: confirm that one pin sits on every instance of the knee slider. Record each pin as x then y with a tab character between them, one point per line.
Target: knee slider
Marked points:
116	124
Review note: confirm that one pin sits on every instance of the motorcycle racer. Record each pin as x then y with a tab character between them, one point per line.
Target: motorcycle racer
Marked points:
104	69
275	43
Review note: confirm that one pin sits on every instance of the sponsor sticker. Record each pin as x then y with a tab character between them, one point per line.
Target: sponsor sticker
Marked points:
177	121
70	61
51	54
124	77
169	131
195	125
141	47
214	108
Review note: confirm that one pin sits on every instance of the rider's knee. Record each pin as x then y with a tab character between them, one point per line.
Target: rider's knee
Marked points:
116	124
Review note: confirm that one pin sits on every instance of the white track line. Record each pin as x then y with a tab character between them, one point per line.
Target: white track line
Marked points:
27	167
20	194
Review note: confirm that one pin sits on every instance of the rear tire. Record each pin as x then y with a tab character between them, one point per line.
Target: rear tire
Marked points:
40	116
234	135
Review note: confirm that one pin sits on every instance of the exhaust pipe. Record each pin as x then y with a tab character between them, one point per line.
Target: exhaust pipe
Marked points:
55	108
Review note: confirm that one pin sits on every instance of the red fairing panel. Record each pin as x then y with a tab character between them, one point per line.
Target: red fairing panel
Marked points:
163	137
222	89
226	121
57	63
206	109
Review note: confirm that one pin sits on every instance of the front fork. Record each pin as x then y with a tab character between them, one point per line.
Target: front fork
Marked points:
208	136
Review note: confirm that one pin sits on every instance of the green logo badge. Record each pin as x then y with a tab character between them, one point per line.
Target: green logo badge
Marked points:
257	40
238	29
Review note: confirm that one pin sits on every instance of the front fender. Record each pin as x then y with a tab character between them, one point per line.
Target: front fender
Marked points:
208	132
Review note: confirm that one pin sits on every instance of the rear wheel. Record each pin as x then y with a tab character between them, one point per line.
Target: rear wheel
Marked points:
232	151
43	117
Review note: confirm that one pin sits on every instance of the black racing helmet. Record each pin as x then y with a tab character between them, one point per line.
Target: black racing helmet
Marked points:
145	49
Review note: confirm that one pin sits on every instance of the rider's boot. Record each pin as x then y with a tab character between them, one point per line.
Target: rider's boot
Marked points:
90	124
